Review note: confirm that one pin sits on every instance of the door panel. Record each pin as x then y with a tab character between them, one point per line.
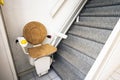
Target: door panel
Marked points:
7	70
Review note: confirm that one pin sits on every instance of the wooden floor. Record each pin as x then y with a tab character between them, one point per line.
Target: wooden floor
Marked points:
33	76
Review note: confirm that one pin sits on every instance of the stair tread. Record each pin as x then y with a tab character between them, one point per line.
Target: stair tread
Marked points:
65	70
101	14
99	19
98	35
102	11
100	3
98	22
82	62
87	47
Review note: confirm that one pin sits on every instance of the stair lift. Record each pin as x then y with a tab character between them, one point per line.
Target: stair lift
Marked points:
40	54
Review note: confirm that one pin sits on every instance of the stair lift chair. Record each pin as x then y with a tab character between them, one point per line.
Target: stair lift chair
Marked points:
39	54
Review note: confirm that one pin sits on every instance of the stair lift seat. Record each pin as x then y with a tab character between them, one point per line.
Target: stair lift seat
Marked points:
39	55
35	33
41	51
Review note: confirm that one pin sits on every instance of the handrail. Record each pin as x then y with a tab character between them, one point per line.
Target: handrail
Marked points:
109	50
70	20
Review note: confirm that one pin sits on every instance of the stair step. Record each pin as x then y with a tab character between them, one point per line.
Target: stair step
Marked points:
98	35
98	22
65	70
90	48
101	3
98	1
102	11
82	62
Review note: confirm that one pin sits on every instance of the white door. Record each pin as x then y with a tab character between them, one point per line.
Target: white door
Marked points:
7	70
54	14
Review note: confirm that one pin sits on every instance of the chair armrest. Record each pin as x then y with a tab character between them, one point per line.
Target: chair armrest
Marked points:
23	43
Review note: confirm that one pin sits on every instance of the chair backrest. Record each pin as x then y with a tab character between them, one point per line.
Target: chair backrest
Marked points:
34	32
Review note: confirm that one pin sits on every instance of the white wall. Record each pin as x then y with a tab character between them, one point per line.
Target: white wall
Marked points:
115	75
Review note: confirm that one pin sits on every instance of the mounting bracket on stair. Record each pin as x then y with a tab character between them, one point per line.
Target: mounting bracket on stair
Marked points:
58	35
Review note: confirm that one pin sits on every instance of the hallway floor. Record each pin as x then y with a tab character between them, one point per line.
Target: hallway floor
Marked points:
33	76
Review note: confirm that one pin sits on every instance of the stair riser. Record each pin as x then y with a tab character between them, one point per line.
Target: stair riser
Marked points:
101	3
89	48
87	32
98	22
79	60
102	11
65	70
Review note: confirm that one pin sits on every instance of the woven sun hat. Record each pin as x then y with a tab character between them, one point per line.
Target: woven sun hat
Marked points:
34	32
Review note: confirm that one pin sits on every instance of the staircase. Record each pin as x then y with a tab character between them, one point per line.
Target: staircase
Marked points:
86	38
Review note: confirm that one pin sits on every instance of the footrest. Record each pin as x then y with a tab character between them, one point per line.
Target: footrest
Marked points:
42	65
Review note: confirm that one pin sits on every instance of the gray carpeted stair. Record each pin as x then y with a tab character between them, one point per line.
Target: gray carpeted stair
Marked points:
66	70
100	3
84	45
88	32
98	22
102	11
86	38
